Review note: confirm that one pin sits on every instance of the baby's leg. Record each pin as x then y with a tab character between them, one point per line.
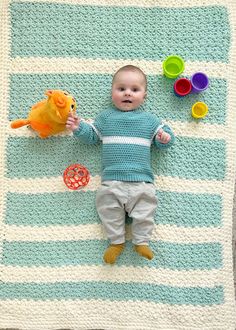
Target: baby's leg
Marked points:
112	215
142	208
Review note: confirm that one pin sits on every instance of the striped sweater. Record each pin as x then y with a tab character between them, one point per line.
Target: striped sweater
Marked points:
126	140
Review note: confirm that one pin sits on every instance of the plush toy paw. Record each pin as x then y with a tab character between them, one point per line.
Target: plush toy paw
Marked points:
144	251
113	252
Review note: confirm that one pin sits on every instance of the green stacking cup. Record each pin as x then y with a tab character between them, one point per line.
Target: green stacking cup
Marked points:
173	66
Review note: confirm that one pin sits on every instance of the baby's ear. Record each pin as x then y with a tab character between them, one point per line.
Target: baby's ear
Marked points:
145	95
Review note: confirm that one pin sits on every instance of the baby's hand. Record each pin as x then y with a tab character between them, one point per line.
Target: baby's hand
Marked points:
163	137
72	122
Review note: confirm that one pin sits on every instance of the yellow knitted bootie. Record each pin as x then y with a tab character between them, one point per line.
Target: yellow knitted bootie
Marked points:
144	251
112	253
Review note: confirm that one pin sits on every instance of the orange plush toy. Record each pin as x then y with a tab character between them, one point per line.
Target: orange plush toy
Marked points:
48	117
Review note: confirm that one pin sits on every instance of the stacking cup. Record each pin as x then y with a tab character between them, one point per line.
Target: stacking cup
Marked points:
199	81
173	66
182	87
199	110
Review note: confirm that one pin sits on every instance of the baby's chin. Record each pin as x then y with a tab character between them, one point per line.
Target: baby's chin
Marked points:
127	106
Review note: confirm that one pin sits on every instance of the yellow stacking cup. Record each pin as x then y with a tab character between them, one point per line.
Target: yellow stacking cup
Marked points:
199	110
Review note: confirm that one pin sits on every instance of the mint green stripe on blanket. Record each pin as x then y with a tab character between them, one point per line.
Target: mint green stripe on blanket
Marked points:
203	296
180	209
62	208
29	157
163	102
192	158
59	253
92	92
116	32
189	158
188	209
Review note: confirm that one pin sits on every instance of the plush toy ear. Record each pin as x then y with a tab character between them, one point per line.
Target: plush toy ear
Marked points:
48	92
60	102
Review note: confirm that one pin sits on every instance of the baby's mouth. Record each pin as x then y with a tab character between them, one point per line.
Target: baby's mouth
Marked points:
126	101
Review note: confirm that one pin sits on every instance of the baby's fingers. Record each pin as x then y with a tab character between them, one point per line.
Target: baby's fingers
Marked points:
165	138
159	134
70	121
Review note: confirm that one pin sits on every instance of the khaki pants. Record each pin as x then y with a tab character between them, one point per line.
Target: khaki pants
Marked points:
138	199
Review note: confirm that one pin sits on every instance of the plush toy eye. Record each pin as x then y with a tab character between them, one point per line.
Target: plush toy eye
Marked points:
72	106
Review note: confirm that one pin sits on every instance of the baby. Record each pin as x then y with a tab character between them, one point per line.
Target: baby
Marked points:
126	132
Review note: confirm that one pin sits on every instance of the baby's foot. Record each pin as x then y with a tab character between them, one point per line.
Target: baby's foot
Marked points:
113	252
144	251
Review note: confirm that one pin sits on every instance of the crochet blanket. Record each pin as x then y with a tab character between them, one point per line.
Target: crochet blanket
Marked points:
52	274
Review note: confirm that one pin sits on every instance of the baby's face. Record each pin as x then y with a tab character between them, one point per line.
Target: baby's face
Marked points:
128	90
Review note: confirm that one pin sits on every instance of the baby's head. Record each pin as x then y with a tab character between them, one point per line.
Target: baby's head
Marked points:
129	88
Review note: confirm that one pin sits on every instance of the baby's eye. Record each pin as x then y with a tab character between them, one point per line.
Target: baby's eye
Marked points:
121	89
135	89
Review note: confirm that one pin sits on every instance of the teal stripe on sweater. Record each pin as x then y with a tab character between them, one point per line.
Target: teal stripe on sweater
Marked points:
203	296
167	255
189	158
117	32
27	89
180	209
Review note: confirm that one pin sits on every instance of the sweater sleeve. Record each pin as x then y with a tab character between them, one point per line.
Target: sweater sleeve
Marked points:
168	130
90	133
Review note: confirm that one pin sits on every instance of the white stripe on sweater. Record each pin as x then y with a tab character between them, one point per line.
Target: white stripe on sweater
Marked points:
126	140
94	128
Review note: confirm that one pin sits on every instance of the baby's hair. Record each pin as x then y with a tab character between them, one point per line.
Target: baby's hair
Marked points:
131	68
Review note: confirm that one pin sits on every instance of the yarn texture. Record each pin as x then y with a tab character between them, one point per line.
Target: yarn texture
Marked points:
52	273
126	140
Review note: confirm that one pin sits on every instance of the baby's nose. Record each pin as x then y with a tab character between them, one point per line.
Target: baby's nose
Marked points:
127	92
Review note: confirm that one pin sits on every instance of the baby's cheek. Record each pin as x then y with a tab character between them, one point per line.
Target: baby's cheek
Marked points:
114	97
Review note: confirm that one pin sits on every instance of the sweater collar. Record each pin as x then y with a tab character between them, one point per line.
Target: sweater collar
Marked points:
138	110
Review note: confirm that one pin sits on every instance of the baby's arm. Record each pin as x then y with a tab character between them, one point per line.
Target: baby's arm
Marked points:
164	137
85	131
